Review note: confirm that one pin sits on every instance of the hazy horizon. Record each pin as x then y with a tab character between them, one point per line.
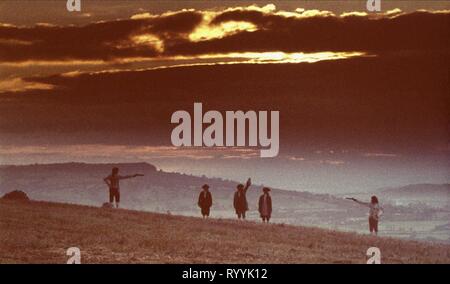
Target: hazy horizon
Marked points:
287	177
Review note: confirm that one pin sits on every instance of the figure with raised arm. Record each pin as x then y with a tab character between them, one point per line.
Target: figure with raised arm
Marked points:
375	211
113	183
240	199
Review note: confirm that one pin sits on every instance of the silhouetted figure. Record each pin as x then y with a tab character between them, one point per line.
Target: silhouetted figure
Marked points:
240	199
375	211
205	200
265	205
113	183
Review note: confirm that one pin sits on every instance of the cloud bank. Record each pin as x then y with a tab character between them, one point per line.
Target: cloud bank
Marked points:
232	30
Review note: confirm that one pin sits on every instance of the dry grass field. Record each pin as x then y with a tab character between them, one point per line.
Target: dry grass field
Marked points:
40	232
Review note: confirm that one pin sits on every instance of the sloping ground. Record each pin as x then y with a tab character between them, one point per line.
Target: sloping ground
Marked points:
160	192
40	232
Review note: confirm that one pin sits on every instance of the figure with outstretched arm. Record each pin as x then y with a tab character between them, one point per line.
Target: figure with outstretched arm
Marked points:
375	211
113	183
240	199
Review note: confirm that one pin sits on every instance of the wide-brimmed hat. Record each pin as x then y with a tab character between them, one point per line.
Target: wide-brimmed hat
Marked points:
266	189
205	186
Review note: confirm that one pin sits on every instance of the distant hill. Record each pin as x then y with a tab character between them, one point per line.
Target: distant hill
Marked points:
158	191
420	189
41	232
435	195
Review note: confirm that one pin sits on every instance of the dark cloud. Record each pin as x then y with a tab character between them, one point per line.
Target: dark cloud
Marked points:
176	24
398	99
397	103
98	41
418	32
414	32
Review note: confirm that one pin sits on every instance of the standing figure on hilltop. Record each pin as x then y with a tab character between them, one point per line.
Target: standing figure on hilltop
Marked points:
113	183
240	199
205	201
265	205
375	211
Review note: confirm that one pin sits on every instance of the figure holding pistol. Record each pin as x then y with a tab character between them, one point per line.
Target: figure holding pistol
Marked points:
113	183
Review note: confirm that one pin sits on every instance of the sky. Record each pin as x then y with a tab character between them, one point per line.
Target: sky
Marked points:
363	97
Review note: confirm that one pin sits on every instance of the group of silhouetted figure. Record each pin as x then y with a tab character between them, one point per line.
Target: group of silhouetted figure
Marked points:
240	203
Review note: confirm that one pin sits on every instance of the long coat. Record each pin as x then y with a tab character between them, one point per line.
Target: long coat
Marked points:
240	201
268	212
205	200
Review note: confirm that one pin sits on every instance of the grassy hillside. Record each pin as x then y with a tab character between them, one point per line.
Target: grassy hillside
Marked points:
40	232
